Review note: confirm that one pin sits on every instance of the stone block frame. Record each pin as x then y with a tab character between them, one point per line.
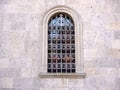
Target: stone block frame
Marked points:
79	61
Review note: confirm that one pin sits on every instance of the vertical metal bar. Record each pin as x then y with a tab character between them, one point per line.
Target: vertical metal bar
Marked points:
61	49
66	56
56	46
51	50
70	51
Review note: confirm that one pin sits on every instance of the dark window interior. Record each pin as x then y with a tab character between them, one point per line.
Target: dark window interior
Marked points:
61	44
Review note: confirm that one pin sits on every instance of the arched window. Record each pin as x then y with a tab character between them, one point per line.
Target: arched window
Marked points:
61	44
60	53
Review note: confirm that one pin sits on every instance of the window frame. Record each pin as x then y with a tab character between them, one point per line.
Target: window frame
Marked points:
78	41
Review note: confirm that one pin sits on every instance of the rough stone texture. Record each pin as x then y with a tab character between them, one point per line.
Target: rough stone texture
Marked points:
20	41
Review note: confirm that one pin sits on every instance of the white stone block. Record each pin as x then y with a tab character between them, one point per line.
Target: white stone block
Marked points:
6	83
4	63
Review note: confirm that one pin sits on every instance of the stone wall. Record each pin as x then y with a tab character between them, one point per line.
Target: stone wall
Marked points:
20	45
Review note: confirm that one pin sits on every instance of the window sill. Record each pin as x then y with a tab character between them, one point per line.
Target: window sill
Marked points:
62	75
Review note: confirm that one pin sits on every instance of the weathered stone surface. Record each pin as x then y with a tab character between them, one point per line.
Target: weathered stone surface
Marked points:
10	72
117	35
21	40
101	83
4	63
23	83
8	89
1	21
6	83
4	1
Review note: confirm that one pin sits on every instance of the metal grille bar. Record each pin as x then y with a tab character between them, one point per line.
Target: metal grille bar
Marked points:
61	44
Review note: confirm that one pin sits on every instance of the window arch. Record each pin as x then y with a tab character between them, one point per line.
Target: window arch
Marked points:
43	56
61	44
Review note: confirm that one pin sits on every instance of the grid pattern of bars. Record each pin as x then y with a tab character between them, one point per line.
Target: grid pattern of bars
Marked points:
61	44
